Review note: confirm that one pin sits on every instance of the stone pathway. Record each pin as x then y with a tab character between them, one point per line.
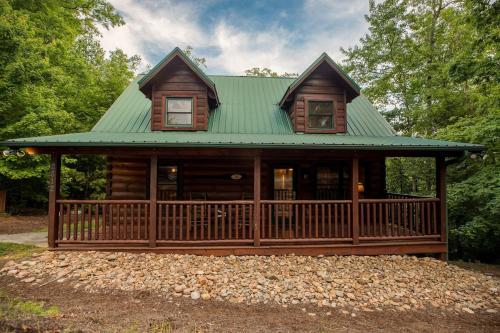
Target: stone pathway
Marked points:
353	282
31	238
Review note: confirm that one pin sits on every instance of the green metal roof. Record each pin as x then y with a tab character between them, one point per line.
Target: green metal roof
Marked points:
249	106
248	116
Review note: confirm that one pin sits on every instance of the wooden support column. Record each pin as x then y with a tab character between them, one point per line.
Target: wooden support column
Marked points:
355	200
55	181
256	200
153	186
441	195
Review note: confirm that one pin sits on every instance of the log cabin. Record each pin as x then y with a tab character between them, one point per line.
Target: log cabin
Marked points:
217	164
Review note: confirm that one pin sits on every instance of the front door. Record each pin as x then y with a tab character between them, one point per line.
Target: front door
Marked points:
284	184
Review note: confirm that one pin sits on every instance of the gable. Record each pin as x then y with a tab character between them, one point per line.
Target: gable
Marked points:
324	64
175	57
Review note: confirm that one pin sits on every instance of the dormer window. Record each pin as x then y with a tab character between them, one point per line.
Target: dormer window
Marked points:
320	115
178	111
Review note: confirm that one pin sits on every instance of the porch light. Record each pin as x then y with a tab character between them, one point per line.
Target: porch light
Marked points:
361	187
173	170
30	150
236	176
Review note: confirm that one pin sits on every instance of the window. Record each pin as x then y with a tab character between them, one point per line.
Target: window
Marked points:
283	184
167	181
179	111
320	115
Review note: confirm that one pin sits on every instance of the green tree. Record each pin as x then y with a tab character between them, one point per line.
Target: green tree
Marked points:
55	79
432	67
267	72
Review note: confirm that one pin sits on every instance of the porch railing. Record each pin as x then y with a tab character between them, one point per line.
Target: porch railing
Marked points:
306	219
205	220
128	222
399	218
84	221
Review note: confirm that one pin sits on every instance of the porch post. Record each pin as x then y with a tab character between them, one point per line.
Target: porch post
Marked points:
256	200
55	181
355	200
441	194
153	177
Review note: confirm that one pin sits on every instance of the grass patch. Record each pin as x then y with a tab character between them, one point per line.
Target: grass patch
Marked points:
17	251
14	308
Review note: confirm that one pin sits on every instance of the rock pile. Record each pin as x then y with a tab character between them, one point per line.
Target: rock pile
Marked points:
363	283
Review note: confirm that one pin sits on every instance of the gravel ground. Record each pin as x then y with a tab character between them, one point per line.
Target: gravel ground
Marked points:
349	283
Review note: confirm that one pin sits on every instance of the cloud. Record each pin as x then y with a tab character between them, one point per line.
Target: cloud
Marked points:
238	38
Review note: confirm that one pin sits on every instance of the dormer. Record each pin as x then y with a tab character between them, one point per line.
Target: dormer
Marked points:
317	100
181	94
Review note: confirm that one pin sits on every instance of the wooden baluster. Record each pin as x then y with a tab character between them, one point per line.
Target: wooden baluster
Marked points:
230	221
270	221
209	222
223	221
309	221
374	218
342	219
89	231
167	221
97	221
174	221
336	217
60	223
303	209
250	222
132	221
386	207
216	225
276	221
434	210
160	220
237	220
68	221
139	221
82	222
316	216
349	220
428	208
296	216
282	210
322	220
362	218
195	220
181	222
202	232
188	222
330	220
380	220
289	220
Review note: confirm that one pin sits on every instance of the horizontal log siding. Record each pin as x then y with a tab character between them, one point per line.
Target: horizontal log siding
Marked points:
128	178
322	83
178	80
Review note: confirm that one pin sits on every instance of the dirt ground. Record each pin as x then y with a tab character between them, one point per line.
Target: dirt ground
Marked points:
144	312
16	224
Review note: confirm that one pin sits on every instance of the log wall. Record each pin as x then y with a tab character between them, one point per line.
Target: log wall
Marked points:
128	178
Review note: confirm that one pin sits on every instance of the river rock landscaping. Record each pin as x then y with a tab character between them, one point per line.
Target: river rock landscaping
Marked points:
399	283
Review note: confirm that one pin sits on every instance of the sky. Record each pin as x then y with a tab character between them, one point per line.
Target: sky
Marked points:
233	36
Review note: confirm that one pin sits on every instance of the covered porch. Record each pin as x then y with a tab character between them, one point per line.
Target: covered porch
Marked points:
247	201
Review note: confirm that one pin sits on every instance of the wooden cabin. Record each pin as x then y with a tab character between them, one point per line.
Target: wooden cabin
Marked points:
216	164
